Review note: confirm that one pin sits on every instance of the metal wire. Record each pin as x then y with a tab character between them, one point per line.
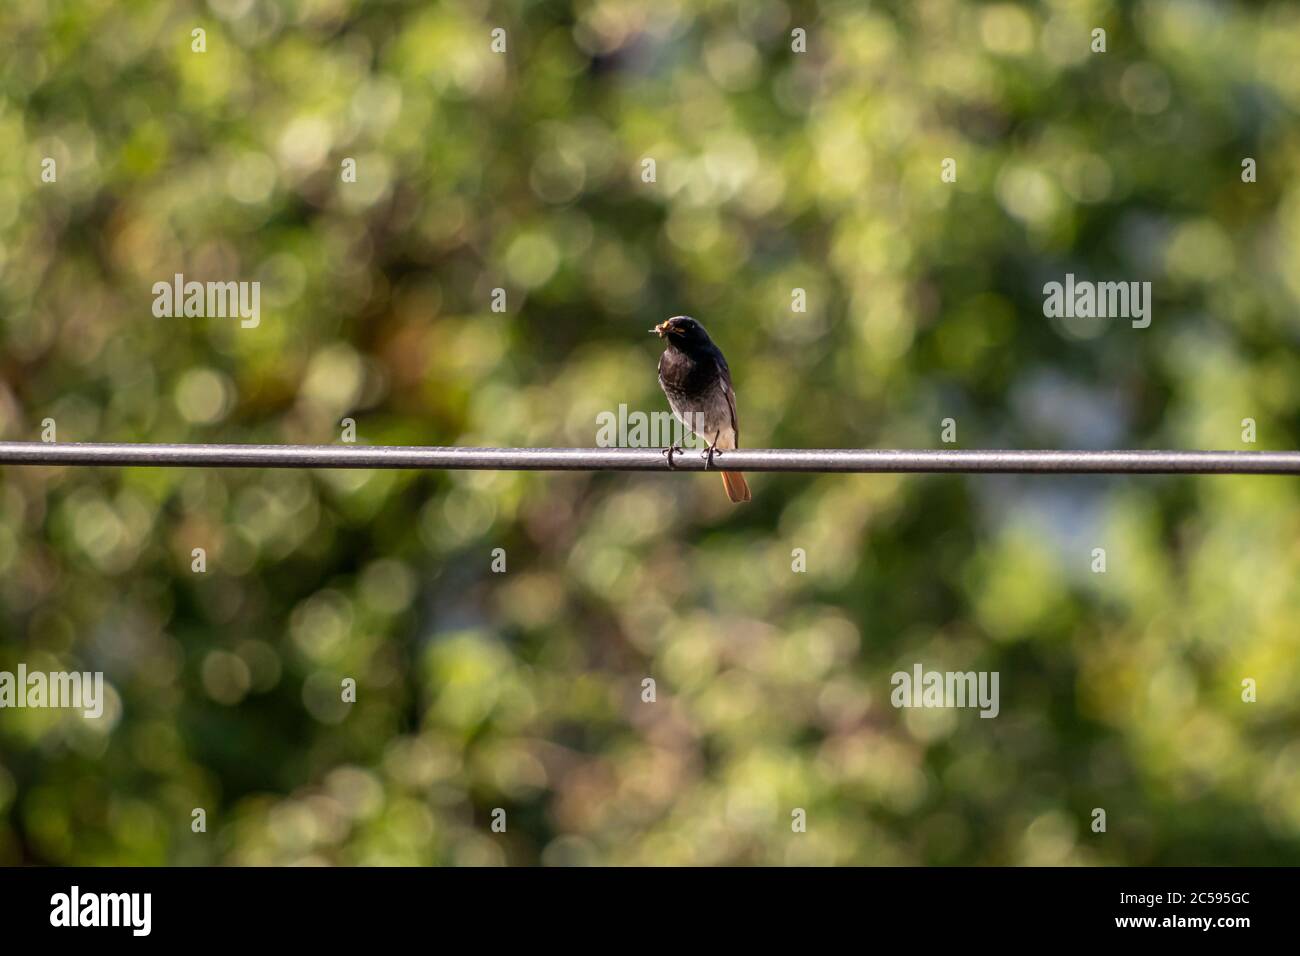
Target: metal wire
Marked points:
653	459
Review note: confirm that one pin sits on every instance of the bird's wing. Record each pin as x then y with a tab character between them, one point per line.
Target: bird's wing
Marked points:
724	380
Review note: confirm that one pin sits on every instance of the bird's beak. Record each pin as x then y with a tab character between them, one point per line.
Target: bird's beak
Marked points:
660	329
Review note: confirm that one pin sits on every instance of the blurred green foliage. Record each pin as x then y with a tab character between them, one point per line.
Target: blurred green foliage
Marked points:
775	171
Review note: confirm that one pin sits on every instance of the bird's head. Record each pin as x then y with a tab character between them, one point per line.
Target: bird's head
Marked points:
684	333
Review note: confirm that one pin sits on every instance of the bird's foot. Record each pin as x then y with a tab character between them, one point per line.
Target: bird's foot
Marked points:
669	452
708	455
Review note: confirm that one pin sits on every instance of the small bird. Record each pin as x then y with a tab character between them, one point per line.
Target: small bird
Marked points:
695	377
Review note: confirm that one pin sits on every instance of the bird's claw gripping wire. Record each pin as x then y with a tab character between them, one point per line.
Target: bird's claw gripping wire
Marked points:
668	453
708	455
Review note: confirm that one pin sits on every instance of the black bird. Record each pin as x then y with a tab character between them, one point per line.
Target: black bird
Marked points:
695	377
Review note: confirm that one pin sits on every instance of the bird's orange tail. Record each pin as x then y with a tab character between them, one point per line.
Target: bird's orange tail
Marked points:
734	482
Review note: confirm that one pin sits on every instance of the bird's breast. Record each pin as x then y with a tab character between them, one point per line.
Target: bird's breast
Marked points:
695	394
685	377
